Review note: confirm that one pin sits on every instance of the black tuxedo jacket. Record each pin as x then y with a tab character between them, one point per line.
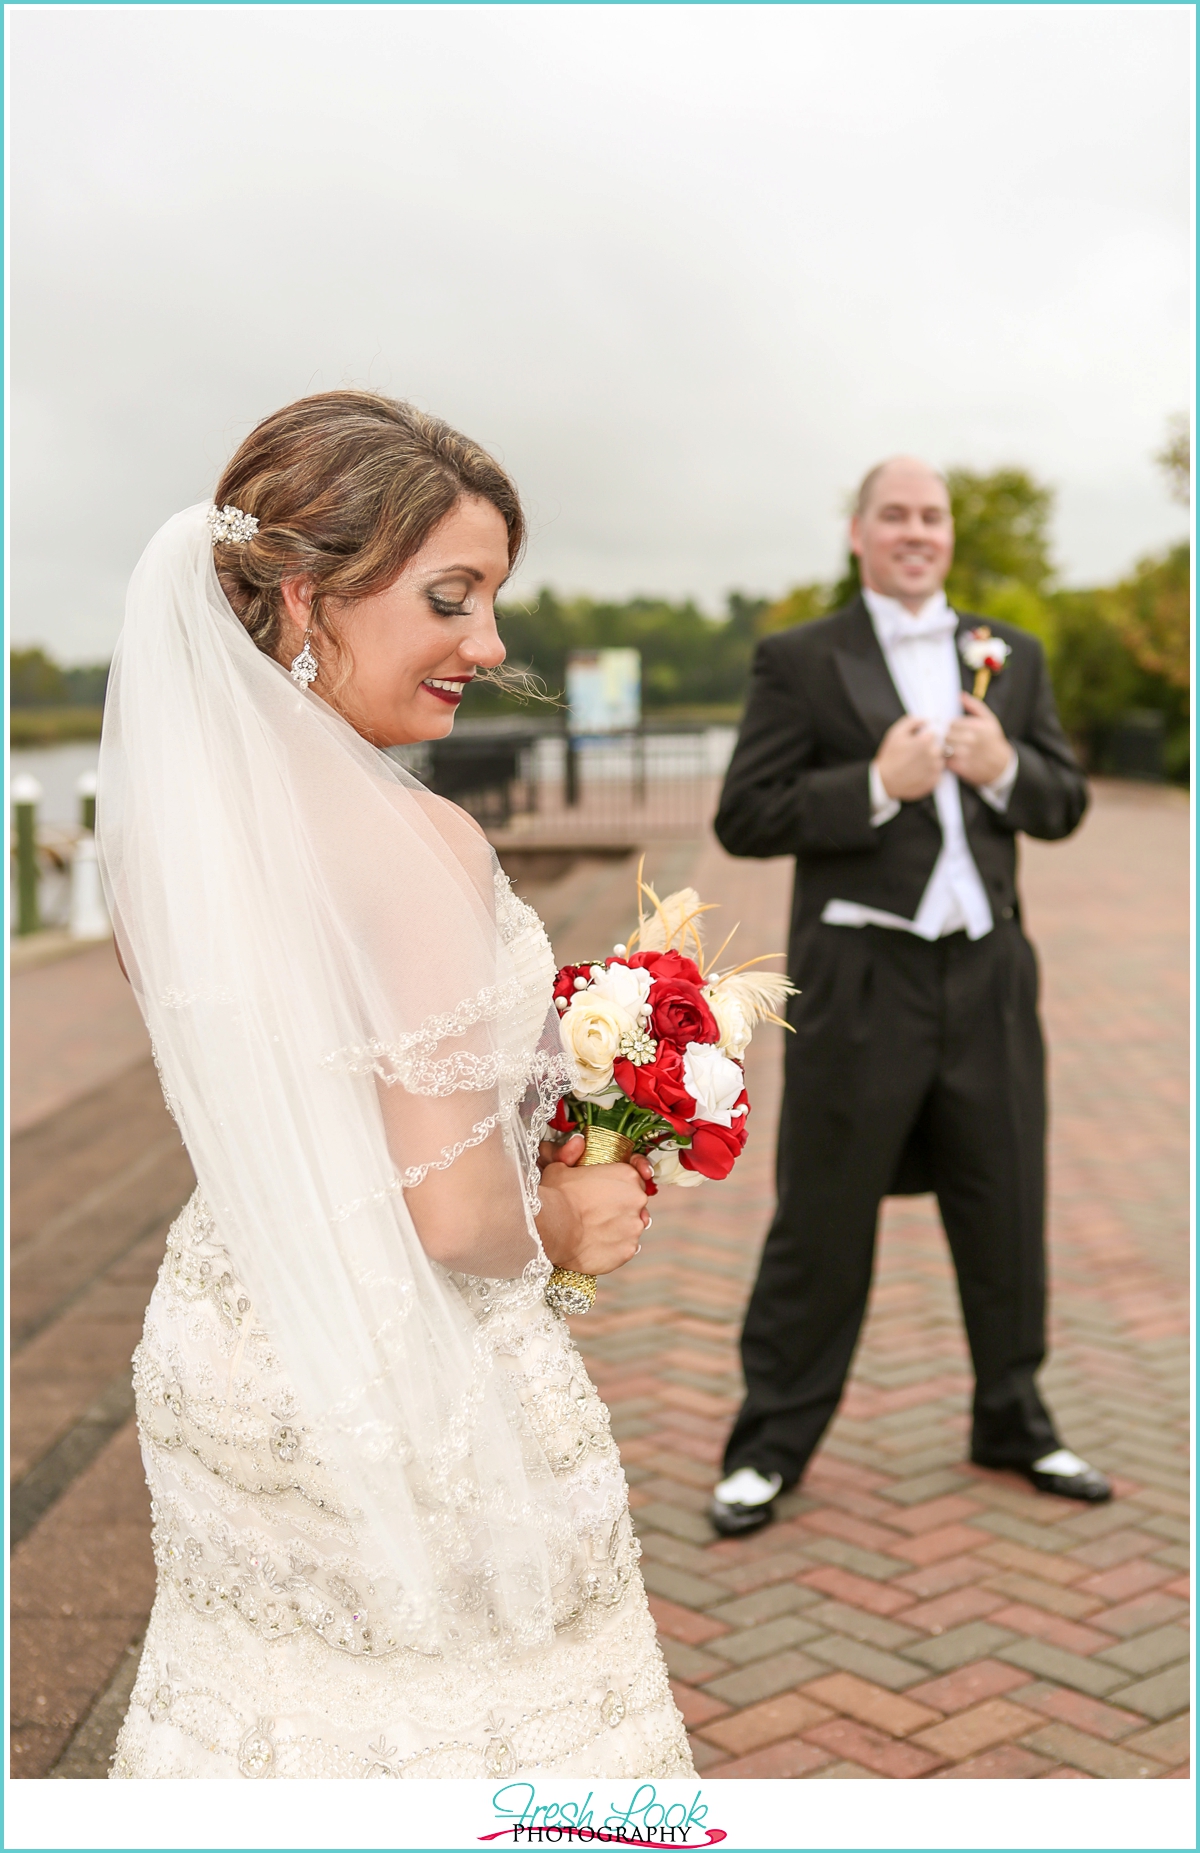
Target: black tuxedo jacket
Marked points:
821	700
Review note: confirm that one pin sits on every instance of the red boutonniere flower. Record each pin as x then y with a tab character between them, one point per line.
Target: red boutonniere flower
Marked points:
986	655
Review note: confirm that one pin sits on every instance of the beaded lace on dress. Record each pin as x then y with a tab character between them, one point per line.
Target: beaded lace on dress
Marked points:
264	1656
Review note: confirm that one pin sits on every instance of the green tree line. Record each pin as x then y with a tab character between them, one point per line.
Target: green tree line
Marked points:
49	703
35	680
1114	651
689	661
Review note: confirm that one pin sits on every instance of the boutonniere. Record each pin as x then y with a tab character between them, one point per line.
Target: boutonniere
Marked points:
986	655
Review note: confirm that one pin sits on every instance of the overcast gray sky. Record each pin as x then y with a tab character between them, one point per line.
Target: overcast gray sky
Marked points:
689	270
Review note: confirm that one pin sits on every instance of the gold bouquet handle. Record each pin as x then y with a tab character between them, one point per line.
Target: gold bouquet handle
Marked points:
566	1291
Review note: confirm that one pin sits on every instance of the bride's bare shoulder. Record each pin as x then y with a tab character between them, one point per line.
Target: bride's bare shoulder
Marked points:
444	811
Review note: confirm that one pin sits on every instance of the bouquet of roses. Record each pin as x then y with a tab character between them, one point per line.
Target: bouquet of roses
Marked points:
657	1042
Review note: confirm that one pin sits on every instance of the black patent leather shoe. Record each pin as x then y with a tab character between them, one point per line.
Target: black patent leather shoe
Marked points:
734	1517
1060	1472
1090	1485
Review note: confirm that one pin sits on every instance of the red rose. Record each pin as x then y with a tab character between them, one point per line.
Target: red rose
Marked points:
564	983
667	965
679	1014
658	1086
714	1149
562	1121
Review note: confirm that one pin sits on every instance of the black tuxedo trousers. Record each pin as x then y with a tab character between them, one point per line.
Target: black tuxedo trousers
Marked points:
902	1044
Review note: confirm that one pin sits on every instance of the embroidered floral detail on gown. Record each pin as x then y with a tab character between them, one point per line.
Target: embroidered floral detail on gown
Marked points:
265	1655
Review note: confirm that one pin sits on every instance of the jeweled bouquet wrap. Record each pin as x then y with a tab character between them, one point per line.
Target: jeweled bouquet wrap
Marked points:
657	1039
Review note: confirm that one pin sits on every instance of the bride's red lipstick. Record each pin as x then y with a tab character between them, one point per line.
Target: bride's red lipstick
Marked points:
451	697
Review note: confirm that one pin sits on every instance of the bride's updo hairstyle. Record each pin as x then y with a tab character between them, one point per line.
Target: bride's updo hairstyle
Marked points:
346	487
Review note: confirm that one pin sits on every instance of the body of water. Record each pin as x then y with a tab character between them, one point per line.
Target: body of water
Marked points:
56	769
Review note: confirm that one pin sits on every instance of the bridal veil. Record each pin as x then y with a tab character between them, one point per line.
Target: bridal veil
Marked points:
340	1015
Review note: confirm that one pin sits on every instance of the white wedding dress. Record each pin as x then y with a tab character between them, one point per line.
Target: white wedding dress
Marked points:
390	1523
266	1655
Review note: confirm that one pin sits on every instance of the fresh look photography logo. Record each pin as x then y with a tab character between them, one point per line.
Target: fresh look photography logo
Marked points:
644	1821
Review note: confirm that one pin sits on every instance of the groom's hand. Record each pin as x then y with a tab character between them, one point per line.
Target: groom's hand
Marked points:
977	748
910	759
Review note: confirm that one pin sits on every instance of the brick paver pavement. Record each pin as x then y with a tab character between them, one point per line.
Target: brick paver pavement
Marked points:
908	1615
73	1024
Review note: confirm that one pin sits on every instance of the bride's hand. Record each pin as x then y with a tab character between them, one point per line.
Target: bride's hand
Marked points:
570	1151
591	1220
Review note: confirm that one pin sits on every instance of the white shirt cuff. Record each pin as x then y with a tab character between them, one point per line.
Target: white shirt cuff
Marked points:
883	807
999	791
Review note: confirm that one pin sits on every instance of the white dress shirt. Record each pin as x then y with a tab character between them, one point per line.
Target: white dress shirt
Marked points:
923	663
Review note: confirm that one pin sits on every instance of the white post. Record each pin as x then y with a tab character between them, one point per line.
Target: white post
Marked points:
85	791
89	916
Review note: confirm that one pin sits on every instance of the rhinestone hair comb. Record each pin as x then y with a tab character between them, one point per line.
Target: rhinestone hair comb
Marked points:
231	524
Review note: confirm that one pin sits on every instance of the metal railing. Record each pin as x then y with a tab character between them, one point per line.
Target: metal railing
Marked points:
652	781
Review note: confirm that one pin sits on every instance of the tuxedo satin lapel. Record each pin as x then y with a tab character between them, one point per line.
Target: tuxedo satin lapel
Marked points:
864	672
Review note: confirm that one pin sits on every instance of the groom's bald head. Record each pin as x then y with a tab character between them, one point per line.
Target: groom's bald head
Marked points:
874	484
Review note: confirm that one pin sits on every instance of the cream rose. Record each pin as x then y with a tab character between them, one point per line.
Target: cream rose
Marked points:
664	1162
591	1030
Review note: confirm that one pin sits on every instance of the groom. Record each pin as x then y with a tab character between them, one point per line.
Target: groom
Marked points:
917	1059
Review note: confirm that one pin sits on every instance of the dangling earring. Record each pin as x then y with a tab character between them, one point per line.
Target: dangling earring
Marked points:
304	666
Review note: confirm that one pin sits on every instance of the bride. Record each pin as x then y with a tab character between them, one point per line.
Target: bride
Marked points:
390	1523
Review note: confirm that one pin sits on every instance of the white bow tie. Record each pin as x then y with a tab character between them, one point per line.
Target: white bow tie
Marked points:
901	627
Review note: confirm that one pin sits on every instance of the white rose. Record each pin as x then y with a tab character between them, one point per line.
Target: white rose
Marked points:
591	1030
664	1162
985	652
735	1026
713	1081
626	985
